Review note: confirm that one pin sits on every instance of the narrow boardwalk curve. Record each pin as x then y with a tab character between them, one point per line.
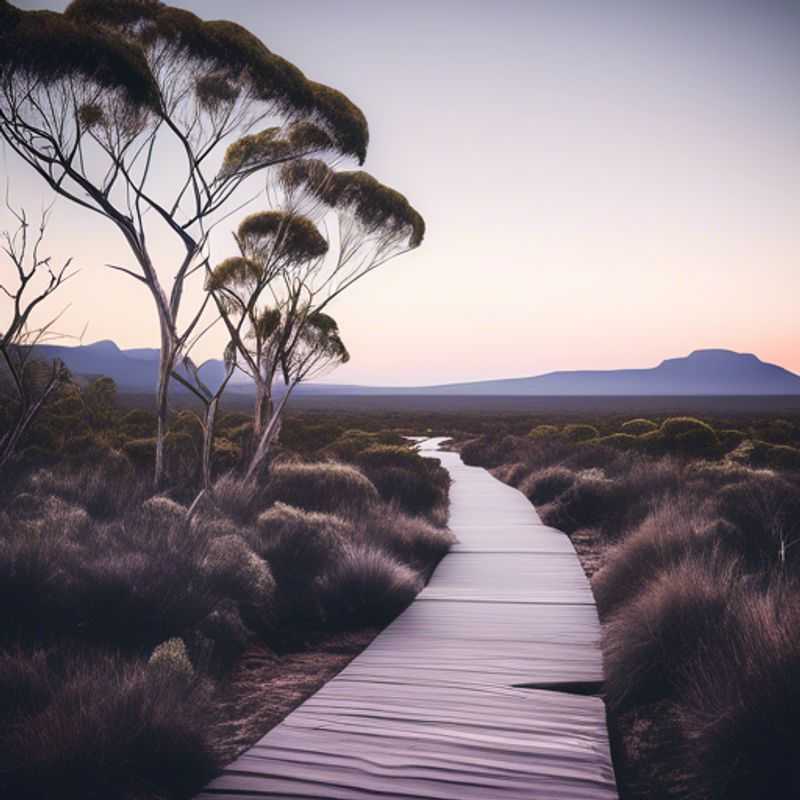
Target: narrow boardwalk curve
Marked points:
439	706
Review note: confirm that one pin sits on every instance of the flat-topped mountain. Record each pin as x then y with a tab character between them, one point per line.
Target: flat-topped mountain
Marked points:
703	372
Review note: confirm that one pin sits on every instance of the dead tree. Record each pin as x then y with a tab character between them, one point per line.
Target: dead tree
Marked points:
30	380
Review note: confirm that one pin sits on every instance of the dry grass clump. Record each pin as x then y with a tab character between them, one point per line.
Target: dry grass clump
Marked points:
544	486
299	544
513	474
740	709
98	489
365	587
652	640
417	485
130	614
676	531
698	591
335	488
86	724
412	540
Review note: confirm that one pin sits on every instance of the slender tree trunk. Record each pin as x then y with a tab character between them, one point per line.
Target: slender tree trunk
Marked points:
268	436
261	409
27	413
208	442
166	365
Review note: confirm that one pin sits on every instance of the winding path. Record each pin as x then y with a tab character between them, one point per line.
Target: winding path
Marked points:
481	690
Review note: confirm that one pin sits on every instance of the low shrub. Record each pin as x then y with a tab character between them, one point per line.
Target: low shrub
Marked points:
650	642
411	491
688	435
299	545
235	498
335	488
412	540
636	427
620	441
93	488
171	658
612	505
365	587
235	571
764	512
544	432
740	710
580	432
546	485
676	530
93	725
513	474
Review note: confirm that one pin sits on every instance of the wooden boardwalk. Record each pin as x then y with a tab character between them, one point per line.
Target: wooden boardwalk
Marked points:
478	691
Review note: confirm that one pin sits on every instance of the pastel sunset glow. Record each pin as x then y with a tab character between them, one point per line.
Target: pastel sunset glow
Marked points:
604	184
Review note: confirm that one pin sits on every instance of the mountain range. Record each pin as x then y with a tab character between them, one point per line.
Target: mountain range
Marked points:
703	372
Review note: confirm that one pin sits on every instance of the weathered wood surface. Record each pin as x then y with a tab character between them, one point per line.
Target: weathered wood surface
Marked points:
434	708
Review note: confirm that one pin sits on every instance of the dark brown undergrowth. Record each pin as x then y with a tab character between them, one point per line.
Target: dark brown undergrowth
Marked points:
125	622
692	535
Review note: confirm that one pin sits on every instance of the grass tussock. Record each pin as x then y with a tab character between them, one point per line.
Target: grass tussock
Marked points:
326	487
366	587
89	725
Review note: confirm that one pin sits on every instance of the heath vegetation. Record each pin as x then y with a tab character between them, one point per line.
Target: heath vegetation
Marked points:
147	552
690	530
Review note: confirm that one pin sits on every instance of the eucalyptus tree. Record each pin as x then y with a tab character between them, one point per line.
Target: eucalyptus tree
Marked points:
372	223
256	297
101	99
27	380
310	350
288	273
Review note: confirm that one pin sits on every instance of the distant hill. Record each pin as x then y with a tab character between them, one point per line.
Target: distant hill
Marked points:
132	370
703	372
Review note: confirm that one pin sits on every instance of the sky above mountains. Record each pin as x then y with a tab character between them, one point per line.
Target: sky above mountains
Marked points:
603	183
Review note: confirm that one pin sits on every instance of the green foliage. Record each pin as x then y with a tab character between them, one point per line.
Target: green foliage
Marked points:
638	426
763	454
375	207
275	144
321	487
544	432
99	399
229	59
140	424
234	271
674	427
778	431
580	432
308	438
171	657
296	236
49	46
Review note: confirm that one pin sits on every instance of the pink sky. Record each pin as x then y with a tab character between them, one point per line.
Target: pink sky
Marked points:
604	184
